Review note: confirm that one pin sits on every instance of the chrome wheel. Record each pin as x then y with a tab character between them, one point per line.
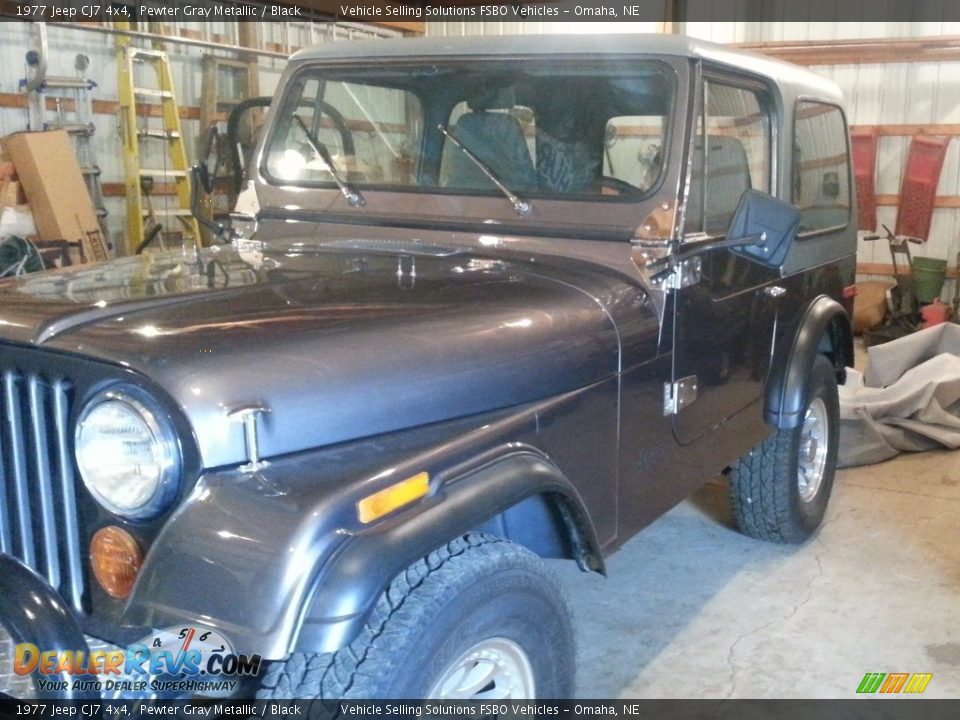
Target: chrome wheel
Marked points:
494	669
814	441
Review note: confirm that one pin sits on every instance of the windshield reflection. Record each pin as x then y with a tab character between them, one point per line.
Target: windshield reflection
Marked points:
595	128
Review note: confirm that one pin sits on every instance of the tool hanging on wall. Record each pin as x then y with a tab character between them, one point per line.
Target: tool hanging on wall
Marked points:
175	167
70	95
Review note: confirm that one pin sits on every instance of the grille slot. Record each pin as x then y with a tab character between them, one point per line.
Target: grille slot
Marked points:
38	504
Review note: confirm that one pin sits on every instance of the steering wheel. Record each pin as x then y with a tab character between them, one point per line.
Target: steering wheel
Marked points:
341	127
620	187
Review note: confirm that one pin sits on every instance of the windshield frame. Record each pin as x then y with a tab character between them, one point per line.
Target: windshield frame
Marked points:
456	206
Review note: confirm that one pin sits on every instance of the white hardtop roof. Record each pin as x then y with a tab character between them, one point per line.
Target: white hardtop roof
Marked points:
800	80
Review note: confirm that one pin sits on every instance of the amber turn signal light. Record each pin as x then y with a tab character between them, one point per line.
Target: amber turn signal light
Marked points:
116	560
393	497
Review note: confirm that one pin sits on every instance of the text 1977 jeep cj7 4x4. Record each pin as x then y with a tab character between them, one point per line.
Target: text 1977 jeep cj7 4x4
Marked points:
482	302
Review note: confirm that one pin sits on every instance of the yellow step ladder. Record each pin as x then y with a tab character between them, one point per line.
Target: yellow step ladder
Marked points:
176	170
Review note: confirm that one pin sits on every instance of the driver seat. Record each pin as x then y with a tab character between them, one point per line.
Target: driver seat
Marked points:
496	139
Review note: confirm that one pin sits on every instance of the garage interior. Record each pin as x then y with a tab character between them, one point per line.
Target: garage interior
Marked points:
690	608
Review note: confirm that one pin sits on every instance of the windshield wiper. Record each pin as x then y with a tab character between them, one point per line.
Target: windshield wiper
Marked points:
521	206
352	195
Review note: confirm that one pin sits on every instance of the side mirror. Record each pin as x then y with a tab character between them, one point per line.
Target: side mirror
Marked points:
204	178
763	228
208	160
200	181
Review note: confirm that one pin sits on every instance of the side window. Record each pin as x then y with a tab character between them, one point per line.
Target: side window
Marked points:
821	166
632	149
732	153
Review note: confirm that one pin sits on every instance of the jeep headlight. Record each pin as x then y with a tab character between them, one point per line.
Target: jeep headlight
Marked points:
127	454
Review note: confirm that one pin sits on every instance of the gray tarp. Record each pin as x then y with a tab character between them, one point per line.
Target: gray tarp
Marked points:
908	400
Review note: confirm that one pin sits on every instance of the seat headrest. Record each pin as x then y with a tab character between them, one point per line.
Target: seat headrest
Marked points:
492	98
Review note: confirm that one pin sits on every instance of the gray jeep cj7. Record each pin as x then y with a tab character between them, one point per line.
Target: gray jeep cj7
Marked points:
481	302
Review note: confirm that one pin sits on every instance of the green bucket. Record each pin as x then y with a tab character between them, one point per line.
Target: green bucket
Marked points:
928	275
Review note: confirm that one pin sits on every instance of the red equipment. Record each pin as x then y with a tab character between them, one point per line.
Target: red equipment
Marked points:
919	187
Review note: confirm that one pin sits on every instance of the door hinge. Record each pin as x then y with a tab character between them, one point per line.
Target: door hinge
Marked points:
677	395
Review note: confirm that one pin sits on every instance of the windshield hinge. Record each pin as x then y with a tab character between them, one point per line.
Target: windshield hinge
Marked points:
679	273
677	395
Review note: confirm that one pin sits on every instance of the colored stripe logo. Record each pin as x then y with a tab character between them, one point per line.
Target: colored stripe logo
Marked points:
893	683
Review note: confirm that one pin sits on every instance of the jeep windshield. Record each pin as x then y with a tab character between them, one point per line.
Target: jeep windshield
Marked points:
589	129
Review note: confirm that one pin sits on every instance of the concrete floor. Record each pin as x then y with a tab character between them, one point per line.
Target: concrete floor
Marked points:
691	608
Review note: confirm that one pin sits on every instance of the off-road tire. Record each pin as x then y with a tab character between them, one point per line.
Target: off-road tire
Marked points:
764	488
475	587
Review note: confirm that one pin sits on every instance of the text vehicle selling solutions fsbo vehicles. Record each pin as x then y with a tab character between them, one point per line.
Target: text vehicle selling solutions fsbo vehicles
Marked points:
480	302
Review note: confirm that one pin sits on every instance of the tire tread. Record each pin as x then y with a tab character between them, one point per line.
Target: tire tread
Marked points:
761	503
344	673
763	492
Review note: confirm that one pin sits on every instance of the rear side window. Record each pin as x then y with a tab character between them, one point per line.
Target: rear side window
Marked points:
731	155
821	166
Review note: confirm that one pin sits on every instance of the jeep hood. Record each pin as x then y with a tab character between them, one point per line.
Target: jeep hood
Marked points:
337	344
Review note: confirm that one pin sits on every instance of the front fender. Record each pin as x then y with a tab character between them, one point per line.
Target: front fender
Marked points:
824	319
351	582
247	552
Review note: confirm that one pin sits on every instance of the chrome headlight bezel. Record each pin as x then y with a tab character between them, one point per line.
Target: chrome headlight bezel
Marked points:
164	440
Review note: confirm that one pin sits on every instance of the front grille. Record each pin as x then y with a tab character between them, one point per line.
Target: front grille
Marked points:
38	502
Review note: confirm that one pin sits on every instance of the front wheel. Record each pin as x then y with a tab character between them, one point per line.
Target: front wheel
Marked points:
780	489
480	618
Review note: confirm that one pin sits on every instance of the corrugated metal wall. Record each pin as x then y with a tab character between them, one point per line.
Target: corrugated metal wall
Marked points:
64	43
876	94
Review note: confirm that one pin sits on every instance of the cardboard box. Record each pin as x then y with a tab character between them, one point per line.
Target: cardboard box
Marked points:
9	193
50	175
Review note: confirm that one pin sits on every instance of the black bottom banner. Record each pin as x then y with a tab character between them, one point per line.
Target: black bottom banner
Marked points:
866	709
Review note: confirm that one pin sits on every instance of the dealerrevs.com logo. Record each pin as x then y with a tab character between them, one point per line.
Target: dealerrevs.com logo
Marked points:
178	660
